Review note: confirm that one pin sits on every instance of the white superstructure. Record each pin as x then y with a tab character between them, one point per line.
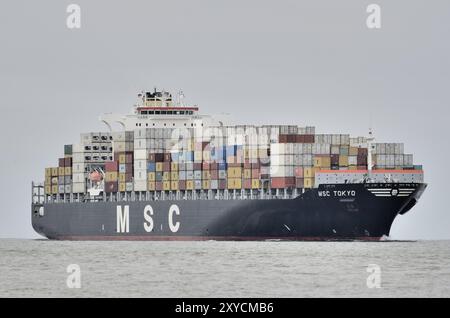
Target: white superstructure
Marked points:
157	110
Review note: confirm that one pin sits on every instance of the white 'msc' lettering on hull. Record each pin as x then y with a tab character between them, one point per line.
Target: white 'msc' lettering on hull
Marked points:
337	193
123	219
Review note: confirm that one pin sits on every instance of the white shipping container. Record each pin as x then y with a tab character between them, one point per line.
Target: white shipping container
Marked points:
78	157
140	164
307	160
78	167
78	187
352	160
408	160
398	160
281	160
140	154
140	143
281	171
140	174
140	185
78	178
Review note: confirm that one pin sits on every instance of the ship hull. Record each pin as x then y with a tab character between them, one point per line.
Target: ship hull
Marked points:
330	212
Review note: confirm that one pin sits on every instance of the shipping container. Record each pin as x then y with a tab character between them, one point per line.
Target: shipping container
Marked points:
282	182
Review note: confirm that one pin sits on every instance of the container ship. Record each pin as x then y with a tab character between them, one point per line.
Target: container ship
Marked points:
171	173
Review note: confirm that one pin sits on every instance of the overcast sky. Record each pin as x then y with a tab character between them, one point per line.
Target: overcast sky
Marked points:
301	62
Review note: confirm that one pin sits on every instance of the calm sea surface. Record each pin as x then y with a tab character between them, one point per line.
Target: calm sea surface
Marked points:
38	268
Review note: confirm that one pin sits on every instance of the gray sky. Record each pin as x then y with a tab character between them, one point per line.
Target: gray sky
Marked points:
301	62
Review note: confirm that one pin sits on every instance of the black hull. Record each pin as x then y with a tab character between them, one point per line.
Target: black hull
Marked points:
331	212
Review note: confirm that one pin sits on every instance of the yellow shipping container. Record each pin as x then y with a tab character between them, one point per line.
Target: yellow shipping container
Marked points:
174	185
234	183
159	166
48	180
255	183
174	176
352	167
151	185
322	162
353	151
54	172
111	176
197	156
190	145
343	160
206	155
122	158
60	171
174	166
166	185
246	154
206	184
48	172
308	182
247	173
189	184
206	175
166	176
68	171
54	189
48	189
234	172
151	176
122	187
308	172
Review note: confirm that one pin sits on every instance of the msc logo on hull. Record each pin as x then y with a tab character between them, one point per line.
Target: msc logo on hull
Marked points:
123	219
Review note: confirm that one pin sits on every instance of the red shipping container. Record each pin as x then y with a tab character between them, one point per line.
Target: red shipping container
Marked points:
255	173
111	166
68	162
256	165
128	177
214	166
166	166
151	157
111	186
247	183
158	185
159	157
282	139
291	138
247	165
197	166
361	160
182	185
222	184
335	160
299	182
205	166
167	157
298	172
282	182
61	162
362	152
214	174
128	158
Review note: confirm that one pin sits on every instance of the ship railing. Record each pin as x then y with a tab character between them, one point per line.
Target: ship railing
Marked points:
132	196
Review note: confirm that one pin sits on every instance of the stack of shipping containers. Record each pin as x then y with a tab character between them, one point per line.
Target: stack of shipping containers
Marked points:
232	158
